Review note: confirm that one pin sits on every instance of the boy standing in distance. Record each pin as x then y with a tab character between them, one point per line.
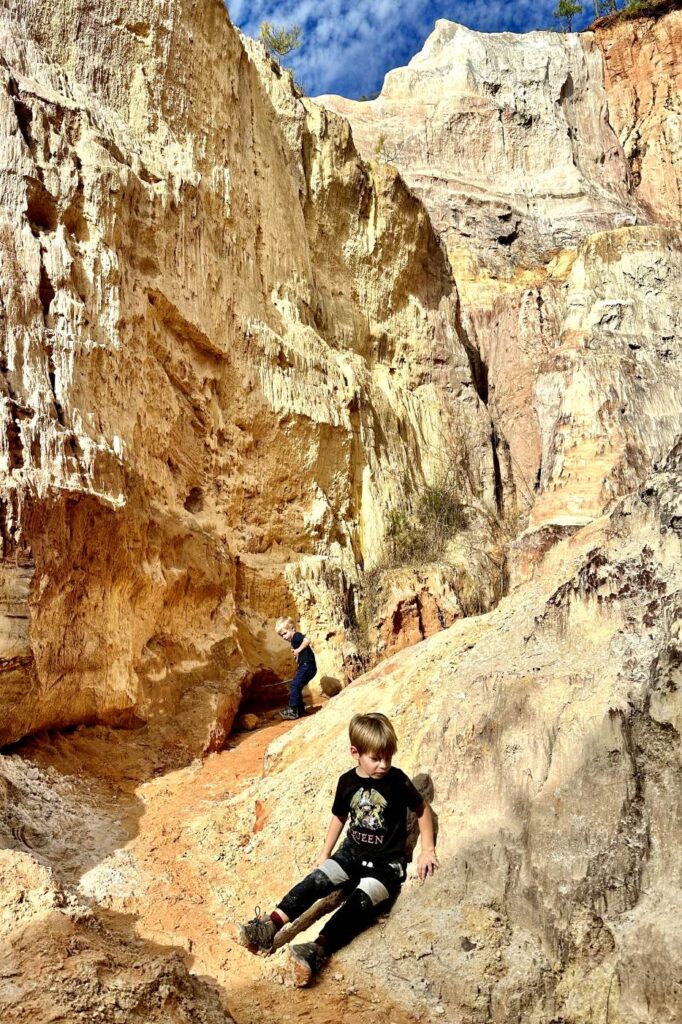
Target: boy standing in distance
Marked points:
375	797
306	666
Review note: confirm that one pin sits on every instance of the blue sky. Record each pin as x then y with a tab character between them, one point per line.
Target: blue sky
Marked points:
348	46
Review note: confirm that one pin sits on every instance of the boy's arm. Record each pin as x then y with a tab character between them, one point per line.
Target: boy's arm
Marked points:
428	862
305	642
335	830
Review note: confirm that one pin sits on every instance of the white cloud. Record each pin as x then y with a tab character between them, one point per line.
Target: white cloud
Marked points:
348	46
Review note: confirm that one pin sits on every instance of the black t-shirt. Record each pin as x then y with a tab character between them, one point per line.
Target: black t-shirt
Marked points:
376	809
306	657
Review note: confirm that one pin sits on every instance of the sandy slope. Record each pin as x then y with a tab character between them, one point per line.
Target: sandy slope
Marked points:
145	853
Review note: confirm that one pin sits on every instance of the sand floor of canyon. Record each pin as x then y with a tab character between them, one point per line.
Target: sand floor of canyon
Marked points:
146	850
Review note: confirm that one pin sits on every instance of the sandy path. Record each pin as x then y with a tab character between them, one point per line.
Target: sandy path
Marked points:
147	850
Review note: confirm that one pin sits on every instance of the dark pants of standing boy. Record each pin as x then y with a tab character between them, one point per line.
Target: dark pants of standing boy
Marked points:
373	883
304	673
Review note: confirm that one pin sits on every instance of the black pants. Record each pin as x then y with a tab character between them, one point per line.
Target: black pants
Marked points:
304	673
372	883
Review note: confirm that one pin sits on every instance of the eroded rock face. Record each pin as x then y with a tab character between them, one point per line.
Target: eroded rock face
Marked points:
522	147
608	396
227	342
643	78
505	138
414	605
405	604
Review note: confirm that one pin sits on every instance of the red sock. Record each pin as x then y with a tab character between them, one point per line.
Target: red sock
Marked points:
276	919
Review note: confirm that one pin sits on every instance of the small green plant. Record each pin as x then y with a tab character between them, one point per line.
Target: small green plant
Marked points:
423	536
279	40
440	513
382	151
403	539
602	7
565	11
379	145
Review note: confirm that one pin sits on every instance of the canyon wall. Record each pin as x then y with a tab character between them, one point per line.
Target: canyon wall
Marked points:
642	80
231	348
522	148
505	137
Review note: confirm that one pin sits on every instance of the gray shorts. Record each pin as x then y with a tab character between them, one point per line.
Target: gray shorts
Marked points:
380	879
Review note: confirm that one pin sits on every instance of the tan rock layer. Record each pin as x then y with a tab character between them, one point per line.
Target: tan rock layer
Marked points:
608	395
643	80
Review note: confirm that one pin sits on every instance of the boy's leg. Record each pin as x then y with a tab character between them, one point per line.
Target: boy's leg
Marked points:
296	690
302	678
258	935
356	914
321	882
309	676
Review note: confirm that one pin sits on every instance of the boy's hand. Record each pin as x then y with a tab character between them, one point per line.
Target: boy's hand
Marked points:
427	864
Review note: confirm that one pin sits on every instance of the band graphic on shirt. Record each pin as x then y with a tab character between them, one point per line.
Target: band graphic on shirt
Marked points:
367	809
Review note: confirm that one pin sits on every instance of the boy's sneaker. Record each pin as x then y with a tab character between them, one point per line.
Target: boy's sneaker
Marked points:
258	935
290	714
307	960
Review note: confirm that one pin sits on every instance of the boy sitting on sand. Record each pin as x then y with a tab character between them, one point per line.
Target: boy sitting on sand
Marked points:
371	859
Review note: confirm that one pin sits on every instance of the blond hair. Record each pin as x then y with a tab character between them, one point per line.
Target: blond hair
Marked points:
373	734
285	623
